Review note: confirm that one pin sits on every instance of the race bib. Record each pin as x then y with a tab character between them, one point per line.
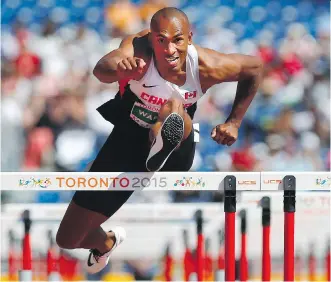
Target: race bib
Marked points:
144	115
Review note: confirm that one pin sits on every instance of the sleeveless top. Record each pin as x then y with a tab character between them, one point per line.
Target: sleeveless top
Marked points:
139	102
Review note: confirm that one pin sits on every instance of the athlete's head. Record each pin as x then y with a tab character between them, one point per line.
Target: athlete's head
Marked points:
170	36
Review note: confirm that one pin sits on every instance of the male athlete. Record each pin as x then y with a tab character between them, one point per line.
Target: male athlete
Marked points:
162	75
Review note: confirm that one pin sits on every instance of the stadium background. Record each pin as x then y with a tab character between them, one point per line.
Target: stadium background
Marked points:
49	95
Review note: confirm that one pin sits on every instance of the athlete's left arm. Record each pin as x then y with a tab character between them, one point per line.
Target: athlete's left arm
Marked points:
216	68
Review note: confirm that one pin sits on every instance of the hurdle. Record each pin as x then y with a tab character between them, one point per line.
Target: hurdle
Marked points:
26	273
219	274
188	260
200	245
266	257
289	212
208	261
230	227
328	263
168	263
289	219
195	263
311	263
52	260
12	259
289	209
243	254
203	261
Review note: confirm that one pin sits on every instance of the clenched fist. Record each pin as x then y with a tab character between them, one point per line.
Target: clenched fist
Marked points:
225	134
130	68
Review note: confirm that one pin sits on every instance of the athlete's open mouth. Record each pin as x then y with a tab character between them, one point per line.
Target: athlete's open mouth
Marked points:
172	61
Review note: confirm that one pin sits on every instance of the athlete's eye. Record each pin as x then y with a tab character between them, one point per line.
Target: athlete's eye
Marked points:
160	40
179	40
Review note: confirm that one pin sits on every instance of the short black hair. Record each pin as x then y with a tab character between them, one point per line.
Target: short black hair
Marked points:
169	12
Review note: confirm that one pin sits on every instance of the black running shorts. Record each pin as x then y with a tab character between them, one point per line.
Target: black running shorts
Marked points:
127	152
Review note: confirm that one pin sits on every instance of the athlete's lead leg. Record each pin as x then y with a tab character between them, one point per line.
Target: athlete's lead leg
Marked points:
172	127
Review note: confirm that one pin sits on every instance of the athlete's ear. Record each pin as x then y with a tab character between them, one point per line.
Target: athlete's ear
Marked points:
190	35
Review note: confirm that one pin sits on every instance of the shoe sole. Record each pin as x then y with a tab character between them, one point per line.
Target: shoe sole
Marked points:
166	141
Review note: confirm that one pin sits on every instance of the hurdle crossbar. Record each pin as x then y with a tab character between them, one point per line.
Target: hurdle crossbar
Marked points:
245	181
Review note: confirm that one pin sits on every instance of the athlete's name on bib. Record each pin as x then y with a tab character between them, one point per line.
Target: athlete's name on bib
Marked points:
144	115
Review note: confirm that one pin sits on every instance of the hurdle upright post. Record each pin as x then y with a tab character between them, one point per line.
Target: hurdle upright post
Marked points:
289	186
200	246
266	220
26	273
219	274
311	263
328	262
230	221
188	261
298	262
11	256
168	263
243	254
208	261
52	259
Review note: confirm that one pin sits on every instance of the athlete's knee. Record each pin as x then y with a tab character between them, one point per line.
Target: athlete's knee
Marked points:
175	104
65	240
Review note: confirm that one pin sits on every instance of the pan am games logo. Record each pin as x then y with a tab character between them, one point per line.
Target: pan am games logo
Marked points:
323	182
35	182
190	182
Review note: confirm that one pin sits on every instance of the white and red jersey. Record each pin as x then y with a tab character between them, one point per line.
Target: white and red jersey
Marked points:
154	91
139	102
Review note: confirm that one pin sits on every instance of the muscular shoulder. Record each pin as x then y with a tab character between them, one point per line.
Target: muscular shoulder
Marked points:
137	45
210	64
216	67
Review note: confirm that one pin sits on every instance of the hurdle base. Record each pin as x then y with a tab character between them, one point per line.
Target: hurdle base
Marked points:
193	277
54	276
220	275
25	275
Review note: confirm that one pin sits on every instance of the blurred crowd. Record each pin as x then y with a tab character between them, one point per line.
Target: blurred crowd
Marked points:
49	95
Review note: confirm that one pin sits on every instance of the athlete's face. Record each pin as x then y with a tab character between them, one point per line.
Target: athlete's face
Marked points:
170	38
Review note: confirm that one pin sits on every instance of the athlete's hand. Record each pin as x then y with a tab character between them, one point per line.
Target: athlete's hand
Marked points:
225	134
130	68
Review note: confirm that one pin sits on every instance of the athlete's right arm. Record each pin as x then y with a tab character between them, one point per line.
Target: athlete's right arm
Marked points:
121	63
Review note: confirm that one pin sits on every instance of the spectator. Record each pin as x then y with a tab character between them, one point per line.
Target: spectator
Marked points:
123	17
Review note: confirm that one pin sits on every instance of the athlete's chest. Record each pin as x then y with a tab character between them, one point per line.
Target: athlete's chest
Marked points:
153	91
156	93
